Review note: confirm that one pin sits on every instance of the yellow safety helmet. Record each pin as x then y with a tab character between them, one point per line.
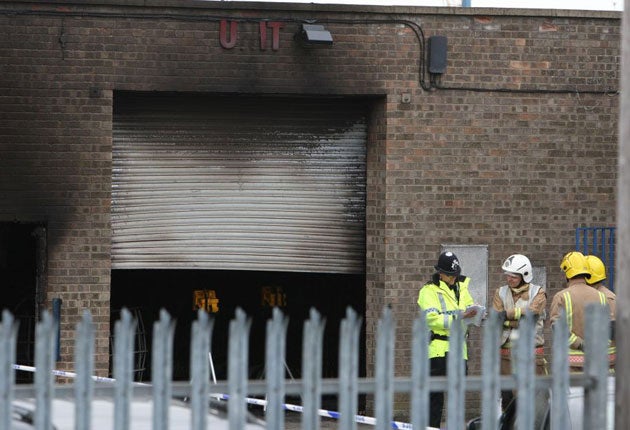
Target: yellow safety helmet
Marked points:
573	264
596	268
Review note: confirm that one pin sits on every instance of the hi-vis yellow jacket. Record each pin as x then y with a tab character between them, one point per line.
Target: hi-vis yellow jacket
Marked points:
440	305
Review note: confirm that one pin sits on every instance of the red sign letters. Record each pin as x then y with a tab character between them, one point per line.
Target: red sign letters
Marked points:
228	38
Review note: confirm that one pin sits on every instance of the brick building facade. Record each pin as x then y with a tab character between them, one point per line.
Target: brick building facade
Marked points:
513	146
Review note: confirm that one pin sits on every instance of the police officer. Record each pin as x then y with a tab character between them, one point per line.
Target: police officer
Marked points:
443	299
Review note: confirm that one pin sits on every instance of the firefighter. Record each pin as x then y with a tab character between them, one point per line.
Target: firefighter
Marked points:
512	301
597	269
573	299
443	299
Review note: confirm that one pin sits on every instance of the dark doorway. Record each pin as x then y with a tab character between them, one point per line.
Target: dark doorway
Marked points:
145	292
19	279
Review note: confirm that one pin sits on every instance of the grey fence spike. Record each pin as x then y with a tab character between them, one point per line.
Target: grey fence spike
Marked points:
384	396
456	372
349	369
275	367
84	364
420	374
238	351
200	374
560	372
490	391
124	335
162	369
525	367
312	358
8	337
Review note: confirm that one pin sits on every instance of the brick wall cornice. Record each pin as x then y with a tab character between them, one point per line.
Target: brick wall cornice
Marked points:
146	5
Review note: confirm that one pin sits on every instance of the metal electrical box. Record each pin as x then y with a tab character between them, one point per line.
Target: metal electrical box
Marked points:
437	54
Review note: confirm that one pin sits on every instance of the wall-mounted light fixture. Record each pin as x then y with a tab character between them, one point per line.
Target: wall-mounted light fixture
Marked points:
314	35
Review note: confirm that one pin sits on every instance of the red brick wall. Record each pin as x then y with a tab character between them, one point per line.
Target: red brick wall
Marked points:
516	162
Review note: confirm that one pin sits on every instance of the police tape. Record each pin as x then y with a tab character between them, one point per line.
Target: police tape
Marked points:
361	419
62	373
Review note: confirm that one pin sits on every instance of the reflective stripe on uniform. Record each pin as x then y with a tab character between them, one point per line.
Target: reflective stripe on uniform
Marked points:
438	311
444	308
576	355
568	307
517	313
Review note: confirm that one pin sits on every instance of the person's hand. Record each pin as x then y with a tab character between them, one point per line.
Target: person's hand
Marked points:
502	316
469	313
580	347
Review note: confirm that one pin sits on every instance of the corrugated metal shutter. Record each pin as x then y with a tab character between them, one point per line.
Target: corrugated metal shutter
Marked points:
239	183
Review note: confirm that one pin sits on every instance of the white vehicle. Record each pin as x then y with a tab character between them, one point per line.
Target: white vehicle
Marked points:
141	415
507	420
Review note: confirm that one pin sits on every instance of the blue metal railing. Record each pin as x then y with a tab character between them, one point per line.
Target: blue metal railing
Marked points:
599	241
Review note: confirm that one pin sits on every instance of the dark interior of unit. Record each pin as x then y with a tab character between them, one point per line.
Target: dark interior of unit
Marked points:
18	274
145	292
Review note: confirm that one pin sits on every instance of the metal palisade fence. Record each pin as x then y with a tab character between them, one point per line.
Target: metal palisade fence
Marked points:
238	391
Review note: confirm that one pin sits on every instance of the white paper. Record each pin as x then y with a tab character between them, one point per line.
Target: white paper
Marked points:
476	319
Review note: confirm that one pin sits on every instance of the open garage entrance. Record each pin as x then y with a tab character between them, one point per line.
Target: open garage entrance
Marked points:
252	201
22	276
145	292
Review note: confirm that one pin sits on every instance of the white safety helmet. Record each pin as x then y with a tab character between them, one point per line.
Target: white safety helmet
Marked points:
520	264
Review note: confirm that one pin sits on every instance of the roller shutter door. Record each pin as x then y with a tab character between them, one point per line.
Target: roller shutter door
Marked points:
238	183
